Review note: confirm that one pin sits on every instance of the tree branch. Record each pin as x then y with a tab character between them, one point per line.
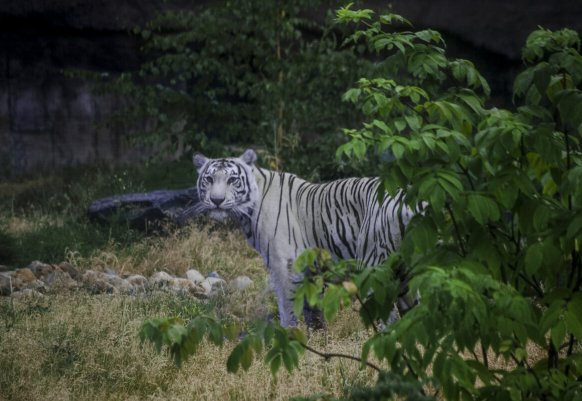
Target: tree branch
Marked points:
467	174
457	232
328	355
376	331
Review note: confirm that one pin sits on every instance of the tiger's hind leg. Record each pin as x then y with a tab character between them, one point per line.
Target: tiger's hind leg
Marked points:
313	317
406	300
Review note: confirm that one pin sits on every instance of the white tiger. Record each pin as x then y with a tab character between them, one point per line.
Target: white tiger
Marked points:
282	215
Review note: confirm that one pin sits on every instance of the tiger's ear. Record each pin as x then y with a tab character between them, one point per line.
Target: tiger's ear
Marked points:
249	157
199	160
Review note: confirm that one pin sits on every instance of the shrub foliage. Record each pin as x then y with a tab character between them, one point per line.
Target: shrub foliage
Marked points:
247	72
495	257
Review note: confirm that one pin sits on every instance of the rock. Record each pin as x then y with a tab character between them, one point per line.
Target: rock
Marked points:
41	270
25	275
6	283
135	283
124	287
217	285
39	276
119	284
113	279
160	279
215	281
59	280
28	294
18	280
241	283
25	278
28	298
94	283
206	287
195	276
72	270
137	280
185	286
110	283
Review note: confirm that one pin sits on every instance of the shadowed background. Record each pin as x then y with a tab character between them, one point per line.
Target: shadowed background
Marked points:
50	121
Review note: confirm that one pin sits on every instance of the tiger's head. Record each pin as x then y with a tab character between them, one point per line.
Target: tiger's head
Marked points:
226	187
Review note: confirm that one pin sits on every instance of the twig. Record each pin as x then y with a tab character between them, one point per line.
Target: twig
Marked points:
376	331
458	233
327	356
485	359
467	174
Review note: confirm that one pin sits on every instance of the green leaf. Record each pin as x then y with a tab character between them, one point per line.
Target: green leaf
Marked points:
573	320
552	315
541	217
575	227
246	358
359	148
288	360
533	258
472	101
400	124
437	197
423	234
234	359
542	77
352	95
569	105
331	301
215	332
231	331
345	14
482	208
275	363
414	122
522	82
382	125
558	333
398	150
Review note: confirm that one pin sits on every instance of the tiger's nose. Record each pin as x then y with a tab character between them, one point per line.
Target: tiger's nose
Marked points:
216	201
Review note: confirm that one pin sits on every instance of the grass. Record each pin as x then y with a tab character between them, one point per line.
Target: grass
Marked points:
44	217
77	346
91	351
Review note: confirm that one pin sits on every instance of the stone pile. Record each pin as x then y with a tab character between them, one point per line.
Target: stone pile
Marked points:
39	278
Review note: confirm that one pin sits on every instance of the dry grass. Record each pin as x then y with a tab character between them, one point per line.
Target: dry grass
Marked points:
82	347
85	348
207	248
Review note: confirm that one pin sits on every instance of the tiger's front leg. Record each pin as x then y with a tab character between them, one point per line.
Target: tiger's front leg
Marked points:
283	280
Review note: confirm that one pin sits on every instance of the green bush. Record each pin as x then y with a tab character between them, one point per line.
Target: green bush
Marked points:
496	256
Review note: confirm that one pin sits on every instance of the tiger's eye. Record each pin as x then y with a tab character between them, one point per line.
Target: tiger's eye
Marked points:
209	180
232	180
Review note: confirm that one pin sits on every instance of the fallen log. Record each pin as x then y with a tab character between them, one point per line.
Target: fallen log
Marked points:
144	210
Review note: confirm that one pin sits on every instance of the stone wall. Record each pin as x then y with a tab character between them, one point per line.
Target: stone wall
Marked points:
49	121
